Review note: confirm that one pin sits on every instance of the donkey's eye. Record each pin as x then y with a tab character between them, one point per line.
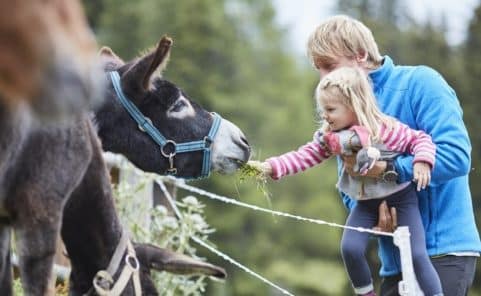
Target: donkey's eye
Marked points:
181	109
178	106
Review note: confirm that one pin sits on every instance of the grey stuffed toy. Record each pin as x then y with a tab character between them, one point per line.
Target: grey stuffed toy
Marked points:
349	142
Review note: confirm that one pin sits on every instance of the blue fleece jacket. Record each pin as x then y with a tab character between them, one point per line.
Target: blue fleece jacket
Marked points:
421	98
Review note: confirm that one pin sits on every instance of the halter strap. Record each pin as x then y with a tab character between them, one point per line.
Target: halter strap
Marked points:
145	125
103	281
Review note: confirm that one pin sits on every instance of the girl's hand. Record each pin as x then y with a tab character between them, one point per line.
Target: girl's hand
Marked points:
262	166
266	168
375	172
422	174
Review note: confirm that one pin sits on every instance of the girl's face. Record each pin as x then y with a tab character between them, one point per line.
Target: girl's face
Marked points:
337	115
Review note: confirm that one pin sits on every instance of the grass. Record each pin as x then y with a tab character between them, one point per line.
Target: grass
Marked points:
254	170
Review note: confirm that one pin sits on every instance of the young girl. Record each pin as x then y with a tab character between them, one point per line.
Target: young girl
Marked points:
352	123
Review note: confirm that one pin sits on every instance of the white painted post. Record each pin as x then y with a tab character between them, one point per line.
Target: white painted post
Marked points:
143	200
409	285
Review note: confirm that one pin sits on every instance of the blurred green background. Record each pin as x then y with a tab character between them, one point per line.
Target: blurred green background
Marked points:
231	56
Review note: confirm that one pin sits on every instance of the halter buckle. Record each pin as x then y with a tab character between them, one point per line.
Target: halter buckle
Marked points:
147	120
102	280
208	141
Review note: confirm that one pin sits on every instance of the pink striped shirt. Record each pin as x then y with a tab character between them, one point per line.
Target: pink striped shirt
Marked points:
401	138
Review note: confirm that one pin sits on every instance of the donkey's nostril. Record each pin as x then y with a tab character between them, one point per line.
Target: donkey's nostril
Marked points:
246	147
244	141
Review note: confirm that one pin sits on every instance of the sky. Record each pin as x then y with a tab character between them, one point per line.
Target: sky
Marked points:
300	17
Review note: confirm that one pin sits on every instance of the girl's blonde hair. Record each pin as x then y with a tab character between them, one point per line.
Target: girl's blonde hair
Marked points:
351	87
342	36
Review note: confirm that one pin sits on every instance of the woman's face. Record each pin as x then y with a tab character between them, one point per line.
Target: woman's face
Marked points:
326	66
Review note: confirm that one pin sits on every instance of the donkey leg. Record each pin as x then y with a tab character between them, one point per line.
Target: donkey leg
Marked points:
36	247
5	263
36	232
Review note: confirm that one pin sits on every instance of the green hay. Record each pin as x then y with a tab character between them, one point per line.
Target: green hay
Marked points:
253	170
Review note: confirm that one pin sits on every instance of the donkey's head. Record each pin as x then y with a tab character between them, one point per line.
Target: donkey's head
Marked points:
48	58
183	125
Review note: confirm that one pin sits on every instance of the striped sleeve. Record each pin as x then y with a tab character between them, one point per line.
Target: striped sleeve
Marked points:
297	161
401	138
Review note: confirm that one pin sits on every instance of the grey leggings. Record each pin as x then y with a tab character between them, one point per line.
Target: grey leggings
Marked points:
354	243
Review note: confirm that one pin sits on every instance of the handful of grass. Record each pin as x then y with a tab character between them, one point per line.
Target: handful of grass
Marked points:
254	170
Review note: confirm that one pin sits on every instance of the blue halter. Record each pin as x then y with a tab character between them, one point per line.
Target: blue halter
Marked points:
145	125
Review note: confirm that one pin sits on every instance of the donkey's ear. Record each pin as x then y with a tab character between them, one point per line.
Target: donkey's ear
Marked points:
108	57
166	260
140	73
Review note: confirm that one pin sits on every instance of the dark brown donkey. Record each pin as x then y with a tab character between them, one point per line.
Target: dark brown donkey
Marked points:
57	173
179	120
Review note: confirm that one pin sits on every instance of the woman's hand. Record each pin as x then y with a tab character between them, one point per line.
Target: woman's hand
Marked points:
422	174
387	219
366	159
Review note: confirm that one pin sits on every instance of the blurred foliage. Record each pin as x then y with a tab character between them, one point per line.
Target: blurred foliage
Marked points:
60	289
17	287
232	57
159	227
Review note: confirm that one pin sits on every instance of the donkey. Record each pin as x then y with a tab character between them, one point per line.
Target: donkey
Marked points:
49	73
55	173
164	106
90	217
48	58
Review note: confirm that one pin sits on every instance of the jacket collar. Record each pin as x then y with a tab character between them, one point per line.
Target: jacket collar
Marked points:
380	75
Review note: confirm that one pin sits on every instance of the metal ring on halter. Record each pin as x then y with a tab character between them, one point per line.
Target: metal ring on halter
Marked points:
208	141
136	264
165	154
102	281
146	119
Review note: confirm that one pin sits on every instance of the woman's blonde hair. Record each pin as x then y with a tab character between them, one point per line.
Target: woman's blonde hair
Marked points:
351	87
342	36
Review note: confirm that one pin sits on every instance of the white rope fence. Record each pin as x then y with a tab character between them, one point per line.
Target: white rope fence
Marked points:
407	287
214	250
181	184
